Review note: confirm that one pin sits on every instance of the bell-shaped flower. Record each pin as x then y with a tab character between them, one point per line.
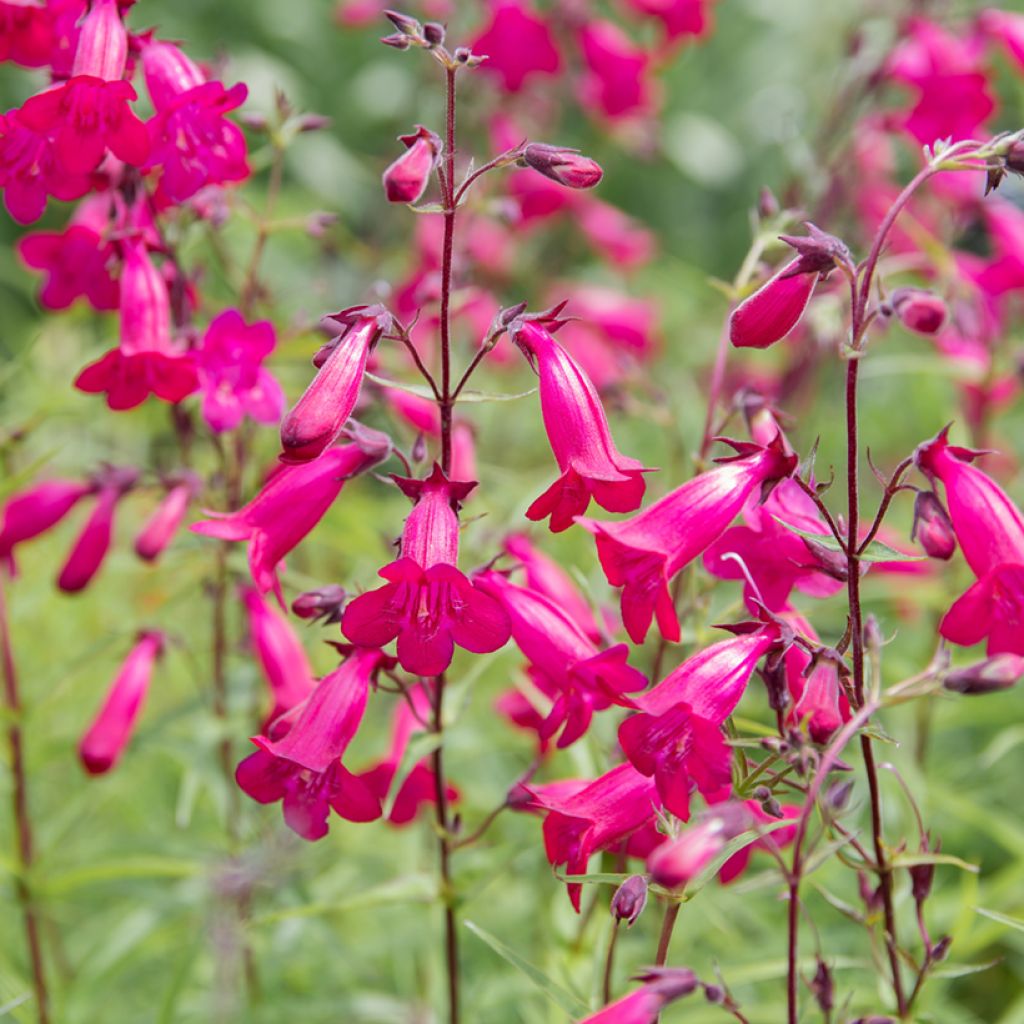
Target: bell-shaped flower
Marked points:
587	819
578	430
675	863
303	767
406	179
584	677
819	704
232	378
642	554
427	603
166	519
105	741
615	84
191	139
146	361
518	44
662	986
33	511
290	504
676	739
320	414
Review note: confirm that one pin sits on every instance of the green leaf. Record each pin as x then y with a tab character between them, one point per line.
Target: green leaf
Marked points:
740	842
598	878
1010	922
411	888
876	551
909	859
119	870
465	395
558	995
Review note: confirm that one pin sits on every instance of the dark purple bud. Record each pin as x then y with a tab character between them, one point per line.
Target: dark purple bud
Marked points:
406	25
630	899
823	988
323	605
464	55
774	676
839	794
714	994
433	33
875	1019
818	251
419	449
257	122
999	672
932	528
397	41
920	311
566	166
921	875
669	982
941	948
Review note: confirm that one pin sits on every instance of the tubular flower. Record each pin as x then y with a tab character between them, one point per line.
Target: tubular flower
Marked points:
674	863
578	430
427	603
32	512
406	179
303	767
105	741
990	530
232	379
26	34
167	517
320	414
290	504
518	44
615	84
643	553
146	360
582	821
582	676
677	736
814	685
662	985
190	137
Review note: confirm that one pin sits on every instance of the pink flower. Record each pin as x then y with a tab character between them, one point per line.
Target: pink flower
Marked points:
619	238
427	603
291	503
678	17
280	653
677	862
932	528
303	767
564	660
406	178
146	360
594	817
518	45
918	310
26	34
818	699
1005	28
232	379
318	417
643	553
107	737
167	517
677	738
662	985
615	84
566	166
32	512
75	260
578	430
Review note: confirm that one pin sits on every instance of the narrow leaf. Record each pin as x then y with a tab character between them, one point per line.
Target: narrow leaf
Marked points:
1010	922
741	842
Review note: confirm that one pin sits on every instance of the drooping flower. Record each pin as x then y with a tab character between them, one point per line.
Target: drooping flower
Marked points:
679	18
932	528
106	739
675	863
427	603
302	768
407	177
26	33
33	511
615	84
166	519
920	311
643	553
518	44
318	417
564	660
662	985
580	438
289	505
819	703
232	379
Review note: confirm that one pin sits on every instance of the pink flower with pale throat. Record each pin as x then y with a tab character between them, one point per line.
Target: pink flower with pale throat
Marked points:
407	177
580	438
584	677
428	605
191	139
615	85
642	554
147	361
318	417
289	505
105	741
518	44
662	985
302	768
30	513
233	381
166	519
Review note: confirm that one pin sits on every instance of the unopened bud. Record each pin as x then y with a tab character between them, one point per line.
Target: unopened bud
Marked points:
566	166
823	988
921	875
433	33
405	180
774	676
767	204
397	41
714	994
312	122
870	895
323	605
999	672
406	25
419	449
630	899
839	794
875	1019
919	311
932	527
940	950
319	223
257	122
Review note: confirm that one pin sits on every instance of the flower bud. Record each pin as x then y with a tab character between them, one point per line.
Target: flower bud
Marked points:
714	994
566	166
999	672
163	524
838	795
406	25
630	899
932	527
823	988
940	950
397	40
433	33
921	875
323	605
918	310
406	179
767	204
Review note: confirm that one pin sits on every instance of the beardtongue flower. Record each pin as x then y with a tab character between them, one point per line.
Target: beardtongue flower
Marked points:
320	414
26	34
777	306
93	542
615	84
578	430
427	603
518	44
232	379
662	985
582	821
32	512
678	17
642	554
105	741
146	360
584	677
814	684
676	862
290	504
932	528
566	166
406	179
303	767
167	517
676	739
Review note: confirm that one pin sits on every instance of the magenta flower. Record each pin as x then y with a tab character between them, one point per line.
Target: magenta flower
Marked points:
920	311
643	553
676	739
406	178
679	18
584	678
166	519
303	767
75	260
578	430
231	377
318	417
518	44
932	528
593	817
678	861
146	360
105	741
619	238
428	604
291	503
566	166
615	84
819	694
32	512
26	34
662	985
